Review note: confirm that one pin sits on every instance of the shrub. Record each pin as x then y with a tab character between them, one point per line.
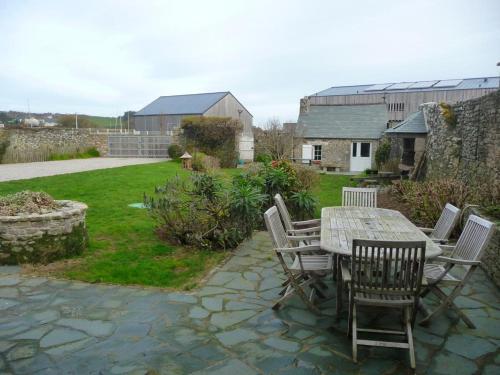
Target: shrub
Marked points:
214	136
427	199
200	212
89	153
263	158
204	163
448	114
383	153
174	151
302	204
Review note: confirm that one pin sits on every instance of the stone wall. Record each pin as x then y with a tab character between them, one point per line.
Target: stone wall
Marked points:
469	149
43	238
27	145
490	261
337	152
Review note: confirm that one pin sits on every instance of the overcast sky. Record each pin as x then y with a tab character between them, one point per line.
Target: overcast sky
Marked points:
104	57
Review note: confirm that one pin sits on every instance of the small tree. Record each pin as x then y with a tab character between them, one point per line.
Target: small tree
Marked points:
277	142
383	153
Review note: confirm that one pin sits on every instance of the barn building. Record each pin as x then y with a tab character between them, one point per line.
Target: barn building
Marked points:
342	125
165	115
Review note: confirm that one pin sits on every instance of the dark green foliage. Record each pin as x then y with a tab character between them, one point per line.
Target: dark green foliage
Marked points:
383	153
174	151
263	158
302	204
214	136
201	212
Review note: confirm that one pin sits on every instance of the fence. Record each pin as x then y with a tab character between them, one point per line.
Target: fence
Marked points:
146	146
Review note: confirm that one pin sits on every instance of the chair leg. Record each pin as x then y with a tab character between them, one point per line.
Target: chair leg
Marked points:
409	335
442	295
339	290
354	336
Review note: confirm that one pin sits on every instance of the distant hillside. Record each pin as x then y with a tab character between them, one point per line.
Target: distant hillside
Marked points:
85	120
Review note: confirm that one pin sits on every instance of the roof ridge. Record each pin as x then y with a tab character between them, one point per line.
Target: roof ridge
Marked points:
199	93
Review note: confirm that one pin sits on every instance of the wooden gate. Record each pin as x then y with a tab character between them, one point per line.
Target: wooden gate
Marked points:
138	146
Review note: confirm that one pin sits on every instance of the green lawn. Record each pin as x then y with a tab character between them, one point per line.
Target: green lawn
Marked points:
123	247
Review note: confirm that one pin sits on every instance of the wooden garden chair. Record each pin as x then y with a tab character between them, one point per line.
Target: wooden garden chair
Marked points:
359	197
445	224
465	254
304	269
295	227
385	274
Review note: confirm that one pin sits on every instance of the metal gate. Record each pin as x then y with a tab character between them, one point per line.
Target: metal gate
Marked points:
142	146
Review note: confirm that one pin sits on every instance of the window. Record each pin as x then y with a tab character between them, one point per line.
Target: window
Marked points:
317	152
365	150
354	149
396	107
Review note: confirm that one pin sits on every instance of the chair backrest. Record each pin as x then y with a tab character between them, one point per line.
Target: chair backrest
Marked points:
359	197
275	228
387	267
474	239
285	215
447	221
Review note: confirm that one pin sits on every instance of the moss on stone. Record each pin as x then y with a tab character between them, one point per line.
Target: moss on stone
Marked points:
47	248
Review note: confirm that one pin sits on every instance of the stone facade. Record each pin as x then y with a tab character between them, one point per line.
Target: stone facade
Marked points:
468	149
43	238
336	153
27	145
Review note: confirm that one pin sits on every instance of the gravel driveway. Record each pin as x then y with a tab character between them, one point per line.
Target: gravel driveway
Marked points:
21	171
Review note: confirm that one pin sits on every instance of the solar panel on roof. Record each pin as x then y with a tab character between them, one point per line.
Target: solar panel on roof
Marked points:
400	86
422	84
448	83
378	87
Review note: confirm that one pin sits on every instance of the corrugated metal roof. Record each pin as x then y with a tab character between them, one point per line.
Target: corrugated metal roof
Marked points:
346	122
413	124
450	84
192	104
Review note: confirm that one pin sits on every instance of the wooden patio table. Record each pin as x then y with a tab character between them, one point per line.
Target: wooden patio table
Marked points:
340	225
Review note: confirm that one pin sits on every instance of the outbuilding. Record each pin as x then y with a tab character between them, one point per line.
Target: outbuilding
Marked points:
164	115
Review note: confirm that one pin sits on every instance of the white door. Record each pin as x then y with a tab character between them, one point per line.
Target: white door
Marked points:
361	156
307	153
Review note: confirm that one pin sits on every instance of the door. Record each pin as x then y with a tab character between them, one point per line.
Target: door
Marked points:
307	154
361	156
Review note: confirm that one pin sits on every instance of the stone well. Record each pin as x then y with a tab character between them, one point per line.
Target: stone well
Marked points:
43	238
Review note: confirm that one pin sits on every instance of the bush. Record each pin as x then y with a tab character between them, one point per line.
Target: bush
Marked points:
204	163
263	158
89	153
383	153
214	136
427	199
174	151
200	212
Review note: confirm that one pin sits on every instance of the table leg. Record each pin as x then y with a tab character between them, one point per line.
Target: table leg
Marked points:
339	286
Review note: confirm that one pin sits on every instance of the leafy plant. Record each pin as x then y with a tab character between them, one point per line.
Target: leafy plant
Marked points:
174	151
448	114
303	204
383	153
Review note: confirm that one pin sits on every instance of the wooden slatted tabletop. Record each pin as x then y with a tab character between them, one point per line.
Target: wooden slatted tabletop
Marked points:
339	225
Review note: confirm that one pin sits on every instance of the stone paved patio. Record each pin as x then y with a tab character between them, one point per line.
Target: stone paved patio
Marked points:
226	327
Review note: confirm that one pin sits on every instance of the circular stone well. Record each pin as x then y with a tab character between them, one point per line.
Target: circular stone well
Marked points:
43	238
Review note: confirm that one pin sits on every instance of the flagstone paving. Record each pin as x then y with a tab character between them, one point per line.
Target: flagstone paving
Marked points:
226	327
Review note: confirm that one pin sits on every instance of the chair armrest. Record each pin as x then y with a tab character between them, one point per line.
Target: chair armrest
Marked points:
303	238
306	222
305	230
447	247
462	262
299	249
441	241
346	273
426	230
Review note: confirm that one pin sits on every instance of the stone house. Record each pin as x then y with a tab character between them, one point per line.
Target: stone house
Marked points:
165	114
341	138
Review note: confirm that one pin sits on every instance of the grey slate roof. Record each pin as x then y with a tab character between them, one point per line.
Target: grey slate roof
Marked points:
449	84
344	121
193	104
413	124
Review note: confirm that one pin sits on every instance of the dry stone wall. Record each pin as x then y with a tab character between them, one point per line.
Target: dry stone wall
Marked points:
27	145
469	149
43	238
